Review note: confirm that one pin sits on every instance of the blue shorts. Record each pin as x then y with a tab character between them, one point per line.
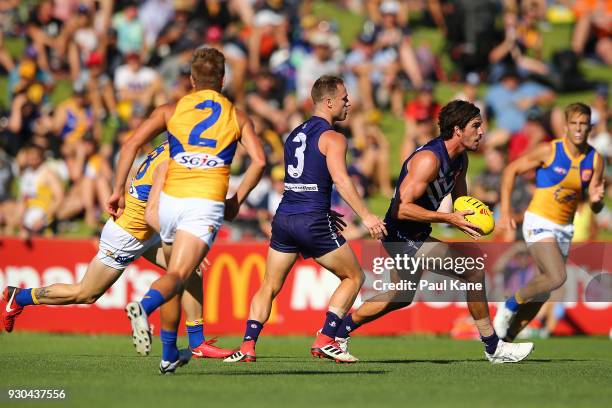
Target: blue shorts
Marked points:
311	234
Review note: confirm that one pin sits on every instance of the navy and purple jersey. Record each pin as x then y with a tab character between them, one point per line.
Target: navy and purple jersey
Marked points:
302	223
403	230
308	184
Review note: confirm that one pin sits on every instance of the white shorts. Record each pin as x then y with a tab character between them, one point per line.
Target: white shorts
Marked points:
536	228
118	248
34	216
197	216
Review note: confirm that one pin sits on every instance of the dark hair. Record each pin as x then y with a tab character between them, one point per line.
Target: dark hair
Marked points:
579	108
327	85
456	113
208	68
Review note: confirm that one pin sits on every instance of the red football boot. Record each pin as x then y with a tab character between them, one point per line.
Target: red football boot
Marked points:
246	354
11	310
207	350
326	347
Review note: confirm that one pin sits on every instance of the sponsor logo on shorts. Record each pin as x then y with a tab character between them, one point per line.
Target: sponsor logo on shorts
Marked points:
301	187
198	160
537	231
121	259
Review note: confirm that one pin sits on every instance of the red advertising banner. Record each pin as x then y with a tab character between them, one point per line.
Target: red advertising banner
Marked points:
229	283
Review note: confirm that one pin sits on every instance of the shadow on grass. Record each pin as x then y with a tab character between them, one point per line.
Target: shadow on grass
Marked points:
412	361
288	372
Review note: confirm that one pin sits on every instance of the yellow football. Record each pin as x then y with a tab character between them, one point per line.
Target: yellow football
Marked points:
482	214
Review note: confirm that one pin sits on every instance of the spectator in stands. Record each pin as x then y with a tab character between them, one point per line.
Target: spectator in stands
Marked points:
509	101
46	34
7	204
370	153
319	62
267	33
40	193
83	40
359	72
469	93
99	86
26	108
269	100
138	83
235	61
521	46
394	53
420	115
130	30
593	30
26	73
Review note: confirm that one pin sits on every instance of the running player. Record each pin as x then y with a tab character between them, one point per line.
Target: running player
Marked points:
565	169
315	158
204	129
427	176
122	242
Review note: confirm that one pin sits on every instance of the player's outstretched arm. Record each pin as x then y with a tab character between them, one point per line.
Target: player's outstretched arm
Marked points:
534	159
254	149
422	170
333	145
597	188
155	124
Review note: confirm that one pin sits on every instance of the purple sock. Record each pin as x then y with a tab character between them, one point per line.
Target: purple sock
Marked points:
490	342
332	322
347	326
253	328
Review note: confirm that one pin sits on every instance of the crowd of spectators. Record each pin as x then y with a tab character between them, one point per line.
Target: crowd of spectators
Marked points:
87	73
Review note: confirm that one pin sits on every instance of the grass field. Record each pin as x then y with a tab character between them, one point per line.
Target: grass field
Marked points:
104	371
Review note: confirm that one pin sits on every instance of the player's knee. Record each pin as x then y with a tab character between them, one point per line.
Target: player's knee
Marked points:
557	281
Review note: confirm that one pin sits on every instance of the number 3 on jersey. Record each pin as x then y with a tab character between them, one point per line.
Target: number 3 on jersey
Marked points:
195	136
296	171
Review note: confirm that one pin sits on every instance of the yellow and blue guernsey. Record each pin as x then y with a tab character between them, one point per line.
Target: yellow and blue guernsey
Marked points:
561	183
78	121
203	134
132	219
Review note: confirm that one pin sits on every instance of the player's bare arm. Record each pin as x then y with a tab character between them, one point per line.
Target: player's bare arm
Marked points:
155	124
152	209
529	161
254	149
423	169
597	188
333	145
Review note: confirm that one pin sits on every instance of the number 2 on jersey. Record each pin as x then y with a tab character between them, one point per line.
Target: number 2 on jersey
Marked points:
195	136
296	171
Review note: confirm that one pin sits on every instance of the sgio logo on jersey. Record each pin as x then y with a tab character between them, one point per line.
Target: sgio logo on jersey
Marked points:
198	160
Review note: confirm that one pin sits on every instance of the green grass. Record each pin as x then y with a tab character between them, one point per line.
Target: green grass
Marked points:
394	371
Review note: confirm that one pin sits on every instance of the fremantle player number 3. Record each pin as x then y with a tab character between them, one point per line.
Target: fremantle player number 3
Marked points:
296	171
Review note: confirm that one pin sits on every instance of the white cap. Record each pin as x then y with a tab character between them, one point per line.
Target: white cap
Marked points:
389	7
267	17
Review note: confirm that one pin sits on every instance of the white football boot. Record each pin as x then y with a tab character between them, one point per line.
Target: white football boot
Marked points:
510	352
141	332
503	319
